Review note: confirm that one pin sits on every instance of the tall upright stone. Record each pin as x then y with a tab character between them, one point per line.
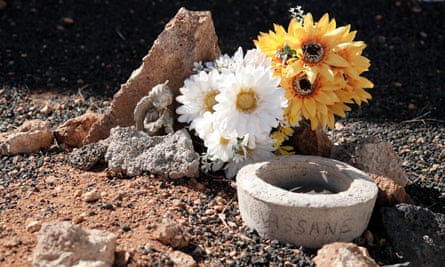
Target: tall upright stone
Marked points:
189	37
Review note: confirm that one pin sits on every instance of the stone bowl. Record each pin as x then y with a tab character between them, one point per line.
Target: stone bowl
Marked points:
305	200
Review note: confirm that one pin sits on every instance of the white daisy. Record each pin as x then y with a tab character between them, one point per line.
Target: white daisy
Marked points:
205	125
252	149
250	101
220	147
198	96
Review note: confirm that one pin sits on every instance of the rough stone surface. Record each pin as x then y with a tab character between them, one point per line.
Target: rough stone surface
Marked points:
416	233
88	156
390	193
189	37
374	157
30	137
73	131
343	254
180	258
61	244
134	152
172	234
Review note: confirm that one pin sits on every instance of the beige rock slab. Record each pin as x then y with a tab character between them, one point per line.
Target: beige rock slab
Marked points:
189	37
30	137
343	254
61	244
390	193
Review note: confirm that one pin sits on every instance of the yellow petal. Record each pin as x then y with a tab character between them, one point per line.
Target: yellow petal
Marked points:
308	22
294	69
314	124
323	24
365	83
311	74
322	109
326	72
325	98
310	105
331	121
336	60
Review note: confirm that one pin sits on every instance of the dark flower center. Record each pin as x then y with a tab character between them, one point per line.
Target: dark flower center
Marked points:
312	52
303	86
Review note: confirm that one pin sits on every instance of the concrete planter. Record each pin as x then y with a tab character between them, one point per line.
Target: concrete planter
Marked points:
306	200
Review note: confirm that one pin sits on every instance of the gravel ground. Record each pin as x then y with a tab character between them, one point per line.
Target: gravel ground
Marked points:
74	67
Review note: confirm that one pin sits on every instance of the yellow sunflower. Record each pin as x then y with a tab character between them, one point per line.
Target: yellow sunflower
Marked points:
273	45
316	45
311	101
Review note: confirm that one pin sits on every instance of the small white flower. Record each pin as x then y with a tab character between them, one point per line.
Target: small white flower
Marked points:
257	58
250	101
198	96
228	63
253	56
252	149
220	147
204	125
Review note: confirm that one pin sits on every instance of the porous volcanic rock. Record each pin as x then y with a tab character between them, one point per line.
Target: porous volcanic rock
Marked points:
134	152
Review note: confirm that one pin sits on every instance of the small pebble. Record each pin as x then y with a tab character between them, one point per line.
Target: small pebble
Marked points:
126	228
33	226
91	196
68	20
106	206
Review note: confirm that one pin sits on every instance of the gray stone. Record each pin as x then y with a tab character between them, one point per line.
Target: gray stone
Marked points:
61	244
30	137
417	234
189	37
86	157
305	200
134	152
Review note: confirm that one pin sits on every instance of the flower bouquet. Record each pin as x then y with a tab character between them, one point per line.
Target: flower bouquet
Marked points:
245	107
